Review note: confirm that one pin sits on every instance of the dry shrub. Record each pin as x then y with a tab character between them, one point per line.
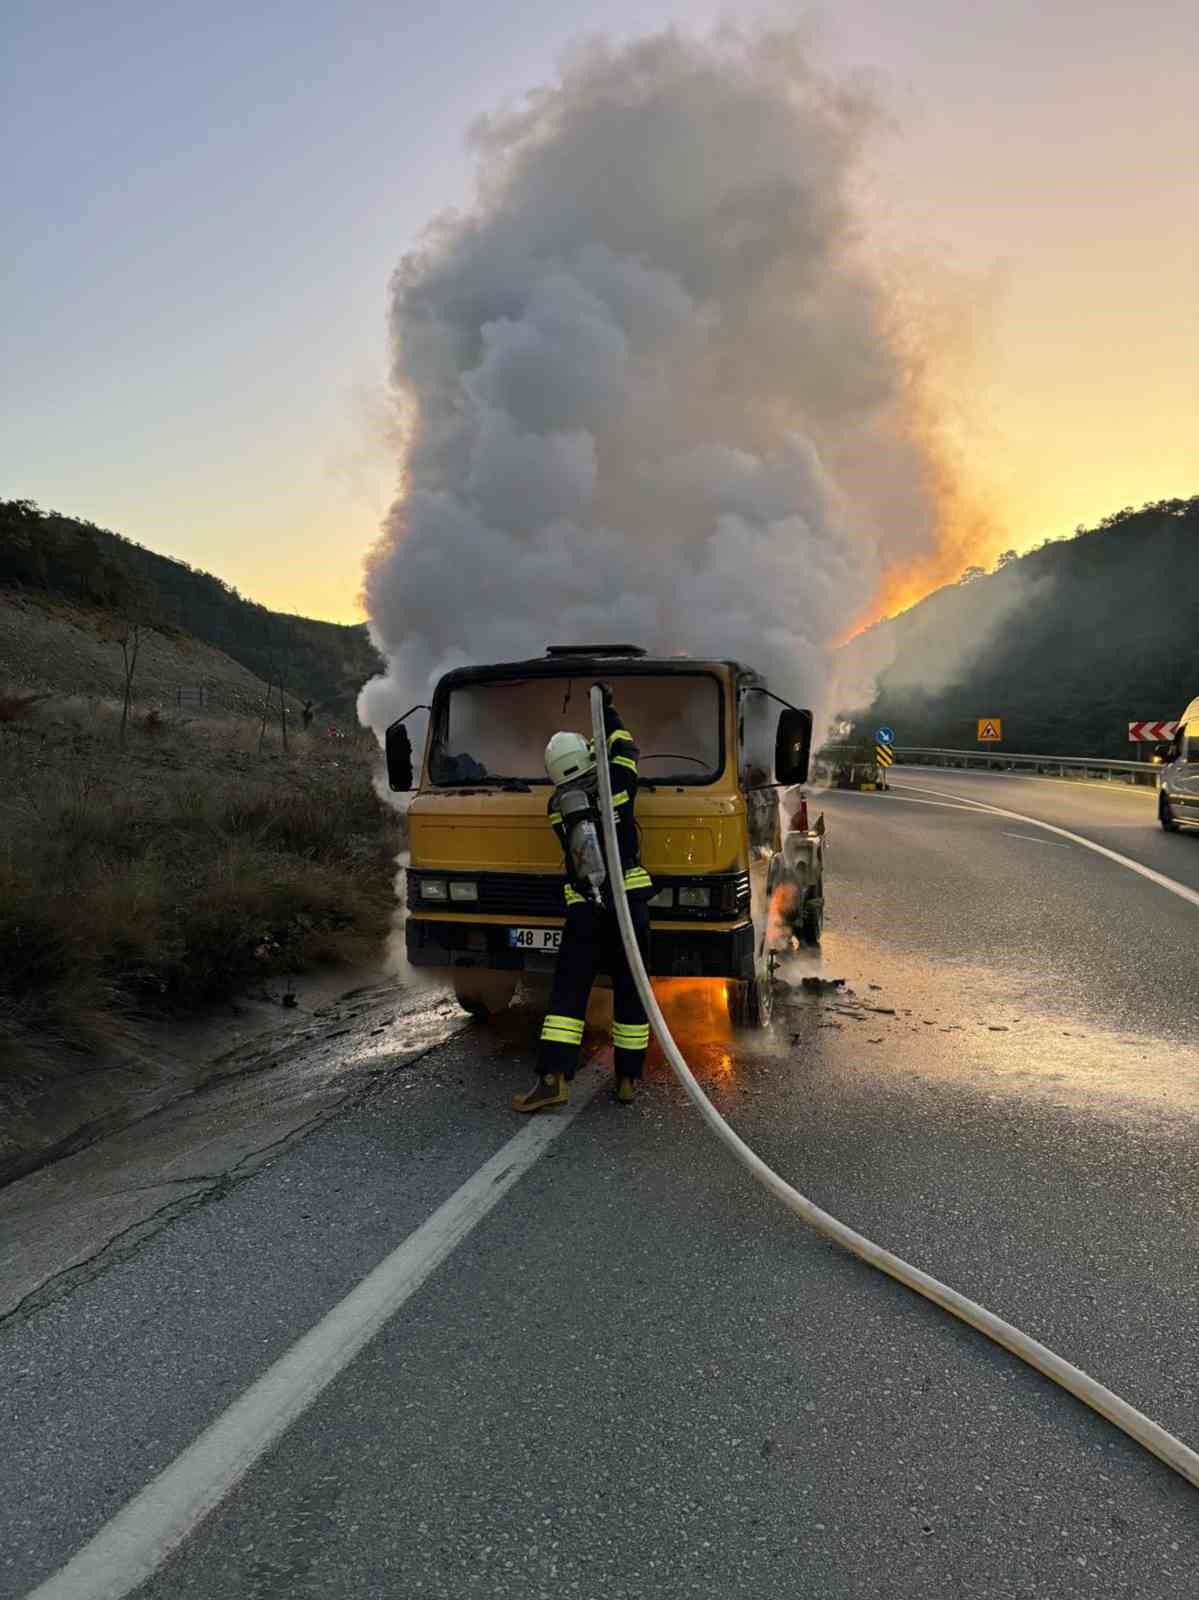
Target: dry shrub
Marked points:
17	706
316	820
51	984
256	913
84	713
179	893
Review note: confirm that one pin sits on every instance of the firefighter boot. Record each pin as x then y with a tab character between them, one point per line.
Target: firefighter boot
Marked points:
625	1091
549	1090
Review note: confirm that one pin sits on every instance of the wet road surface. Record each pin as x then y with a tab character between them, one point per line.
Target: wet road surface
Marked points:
638	1376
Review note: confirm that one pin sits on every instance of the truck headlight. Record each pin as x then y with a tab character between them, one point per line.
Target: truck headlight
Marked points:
663	900
463	891
433	889
693	895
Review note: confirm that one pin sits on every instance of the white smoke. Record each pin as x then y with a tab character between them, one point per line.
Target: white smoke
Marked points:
647	386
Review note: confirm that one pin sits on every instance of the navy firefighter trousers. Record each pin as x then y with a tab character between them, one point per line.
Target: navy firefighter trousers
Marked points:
591	943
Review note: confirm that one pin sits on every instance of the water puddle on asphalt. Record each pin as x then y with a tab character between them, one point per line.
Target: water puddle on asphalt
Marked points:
233	1113
971	1025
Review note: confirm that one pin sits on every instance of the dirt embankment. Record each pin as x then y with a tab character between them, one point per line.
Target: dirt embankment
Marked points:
56	648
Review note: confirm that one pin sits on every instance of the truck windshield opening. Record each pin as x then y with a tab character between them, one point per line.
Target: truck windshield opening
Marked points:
496	732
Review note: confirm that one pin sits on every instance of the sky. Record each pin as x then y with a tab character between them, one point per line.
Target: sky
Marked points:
207	202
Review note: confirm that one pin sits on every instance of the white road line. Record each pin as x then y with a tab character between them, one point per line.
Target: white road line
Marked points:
137	1541
1171	885
964	801
907	799
1050	844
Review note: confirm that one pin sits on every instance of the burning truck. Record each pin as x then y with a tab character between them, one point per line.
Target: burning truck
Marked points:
733	887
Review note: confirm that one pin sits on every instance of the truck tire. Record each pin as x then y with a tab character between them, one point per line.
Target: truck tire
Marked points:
812	925
482	993
1163	814
751	1000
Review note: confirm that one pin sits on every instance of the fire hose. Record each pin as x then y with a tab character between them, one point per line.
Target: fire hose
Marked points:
1081	1385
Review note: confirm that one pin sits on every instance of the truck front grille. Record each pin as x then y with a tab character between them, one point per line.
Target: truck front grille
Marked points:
501	894
540	894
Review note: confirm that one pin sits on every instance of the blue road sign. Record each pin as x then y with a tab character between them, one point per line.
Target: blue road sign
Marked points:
885	735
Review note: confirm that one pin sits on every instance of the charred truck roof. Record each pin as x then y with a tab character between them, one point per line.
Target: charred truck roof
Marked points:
595	660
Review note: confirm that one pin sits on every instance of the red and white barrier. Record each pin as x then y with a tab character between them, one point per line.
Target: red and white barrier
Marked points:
1151	732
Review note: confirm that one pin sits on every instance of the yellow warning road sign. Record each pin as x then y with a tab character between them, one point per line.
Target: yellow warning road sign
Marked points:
989	729
884	755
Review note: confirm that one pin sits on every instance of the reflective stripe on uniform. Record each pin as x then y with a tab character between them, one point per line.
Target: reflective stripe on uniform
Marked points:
621	799
624	761
630	1035
565	1030
617	734
573	897
637	878
555	818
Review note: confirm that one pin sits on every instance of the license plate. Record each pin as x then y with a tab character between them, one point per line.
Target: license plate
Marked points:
534	938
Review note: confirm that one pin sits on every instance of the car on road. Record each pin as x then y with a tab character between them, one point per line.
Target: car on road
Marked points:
485	884
1178	792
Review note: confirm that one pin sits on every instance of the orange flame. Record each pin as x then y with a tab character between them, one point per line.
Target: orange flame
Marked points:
697	1014
780	919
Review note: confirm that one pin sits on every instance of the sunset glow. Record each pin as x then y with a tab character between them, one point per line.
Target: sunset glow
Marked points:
206	373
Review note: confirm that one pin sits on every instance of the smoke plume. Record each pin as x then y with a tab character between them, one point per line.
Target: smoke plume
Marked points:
648	384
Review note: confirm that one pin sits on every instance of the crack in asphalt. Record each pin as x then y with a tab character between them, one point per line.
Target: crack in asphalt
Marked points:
120	1247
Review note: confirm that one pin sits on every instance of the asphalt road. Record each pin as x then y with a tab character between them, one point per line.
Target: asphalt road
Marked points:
1120	816
637	1376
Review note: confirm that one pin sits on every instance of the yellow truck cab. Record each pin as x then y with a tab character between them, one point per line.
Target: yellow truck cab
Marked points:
485	883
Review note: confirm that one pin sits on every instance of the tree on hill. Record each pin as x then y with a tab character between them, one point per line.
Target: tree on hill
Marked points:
129	635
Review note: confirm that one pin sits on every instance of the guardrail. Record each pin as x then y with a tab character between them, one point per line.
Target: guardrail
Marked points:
1133	772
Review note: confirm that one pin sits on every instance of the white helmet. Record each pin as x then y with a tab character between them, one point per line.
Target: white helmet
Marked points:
568	755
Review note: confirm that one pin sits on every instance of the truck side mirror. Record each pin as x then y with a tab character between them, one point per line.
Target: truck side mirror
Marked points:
793	746
399	758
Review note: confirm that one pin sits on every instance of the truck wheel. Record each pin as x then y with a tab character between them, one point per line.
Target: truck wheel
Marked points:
482	993
1163	814
813	919
752	1000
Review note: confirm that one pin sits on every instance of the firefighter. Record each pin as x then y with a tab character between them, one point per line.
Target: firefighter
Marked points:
591	940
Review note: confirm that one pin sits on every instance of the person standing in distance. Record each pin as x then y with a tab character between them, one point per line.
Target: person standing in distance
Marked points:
591	939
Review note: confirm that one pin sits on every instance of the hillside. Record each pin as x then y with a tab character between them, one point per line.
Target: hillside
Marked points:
187	853
77	569
1067	644
54	648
